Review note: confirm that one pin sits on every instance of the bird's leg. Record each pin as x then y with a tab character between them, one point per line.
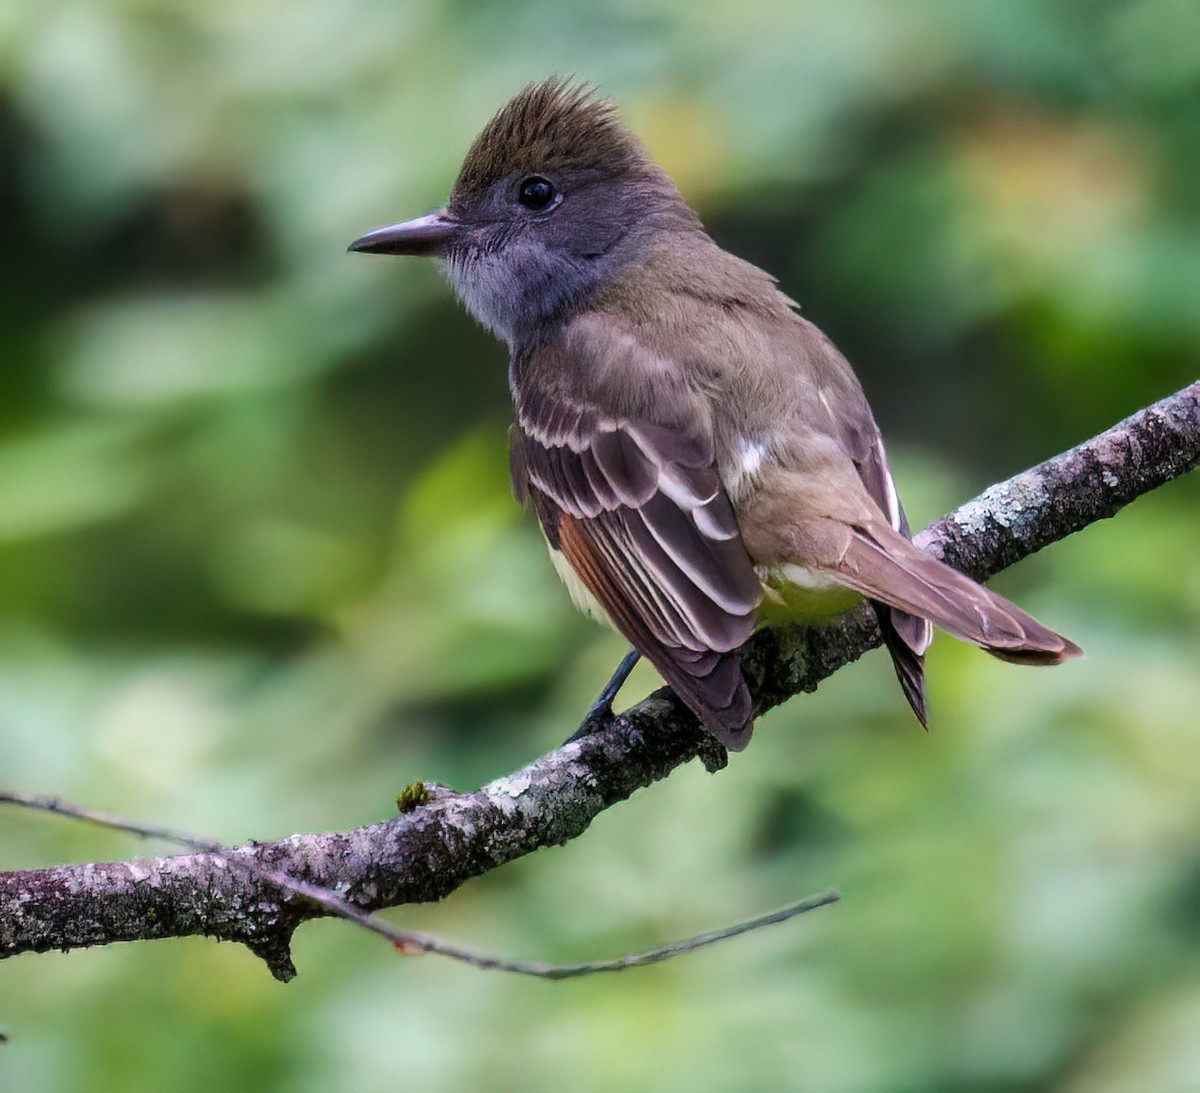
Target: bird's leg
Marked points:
601	712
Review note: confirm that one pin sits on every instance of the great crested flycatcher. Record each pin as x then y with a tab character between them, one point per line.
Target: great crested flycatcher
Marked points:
701	458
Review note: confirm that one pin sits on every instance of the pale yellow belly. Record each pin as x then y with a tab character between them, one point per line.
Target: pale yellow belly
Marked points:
792	593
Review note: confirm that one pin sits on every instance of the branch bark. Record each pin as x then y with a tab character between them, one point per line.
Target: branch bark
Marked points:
426	853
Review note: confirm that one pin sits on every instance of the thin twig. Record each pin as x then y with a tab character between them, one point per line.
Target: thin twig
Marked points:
650	956
59	807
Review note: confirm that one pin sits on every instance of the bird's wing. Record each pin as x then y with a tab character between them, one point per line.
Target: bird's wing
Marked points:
638	512
906	635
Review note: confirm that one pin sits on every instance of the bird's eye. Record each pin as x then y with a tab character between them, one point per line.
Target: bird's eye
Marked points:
537	194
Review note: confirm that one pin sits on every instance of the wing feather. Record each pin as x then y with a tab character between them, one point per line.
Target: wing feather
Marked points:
638	511
906	635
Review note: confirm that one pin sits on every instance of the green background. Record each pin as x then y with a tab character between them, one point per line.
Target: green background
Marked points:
260	567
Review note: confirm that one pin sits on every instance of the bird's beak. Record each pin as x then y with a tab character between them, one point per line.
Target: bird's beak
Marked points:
427	236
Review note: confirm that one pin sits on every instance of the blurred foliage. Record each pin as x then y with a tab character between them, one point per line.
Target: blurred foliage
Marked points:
259	565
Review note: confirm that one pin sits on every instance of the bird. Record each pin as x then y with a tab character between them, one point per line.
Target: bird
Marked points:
701	458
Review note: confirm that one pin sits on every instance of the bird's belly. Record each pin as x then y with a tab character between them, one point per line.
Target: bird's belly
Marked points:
793	593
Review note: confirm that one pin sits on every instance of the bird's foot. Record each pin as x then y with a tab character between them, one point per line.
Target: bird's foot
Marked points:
601	714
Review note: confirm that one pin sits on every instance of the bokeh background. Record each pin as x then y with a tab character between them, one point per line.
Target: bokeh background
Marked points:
260	567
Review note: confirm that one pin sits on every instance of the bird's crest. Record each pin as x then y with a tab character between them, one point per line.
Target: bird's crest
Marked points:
553	126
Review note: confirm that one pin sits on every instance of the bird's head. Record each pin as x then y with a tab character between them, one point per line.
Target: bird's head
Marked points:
554	198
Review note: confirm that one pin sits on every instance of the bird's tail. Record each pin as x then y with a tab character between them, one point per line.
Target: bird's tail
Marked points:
907	637
885	566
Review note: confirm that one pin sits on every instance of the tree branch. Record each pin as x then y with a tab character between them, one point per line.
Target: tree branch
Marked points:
429	851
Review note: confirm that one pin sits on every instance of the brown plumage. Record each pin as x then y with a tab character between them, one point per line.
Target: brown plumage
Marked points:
700	457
